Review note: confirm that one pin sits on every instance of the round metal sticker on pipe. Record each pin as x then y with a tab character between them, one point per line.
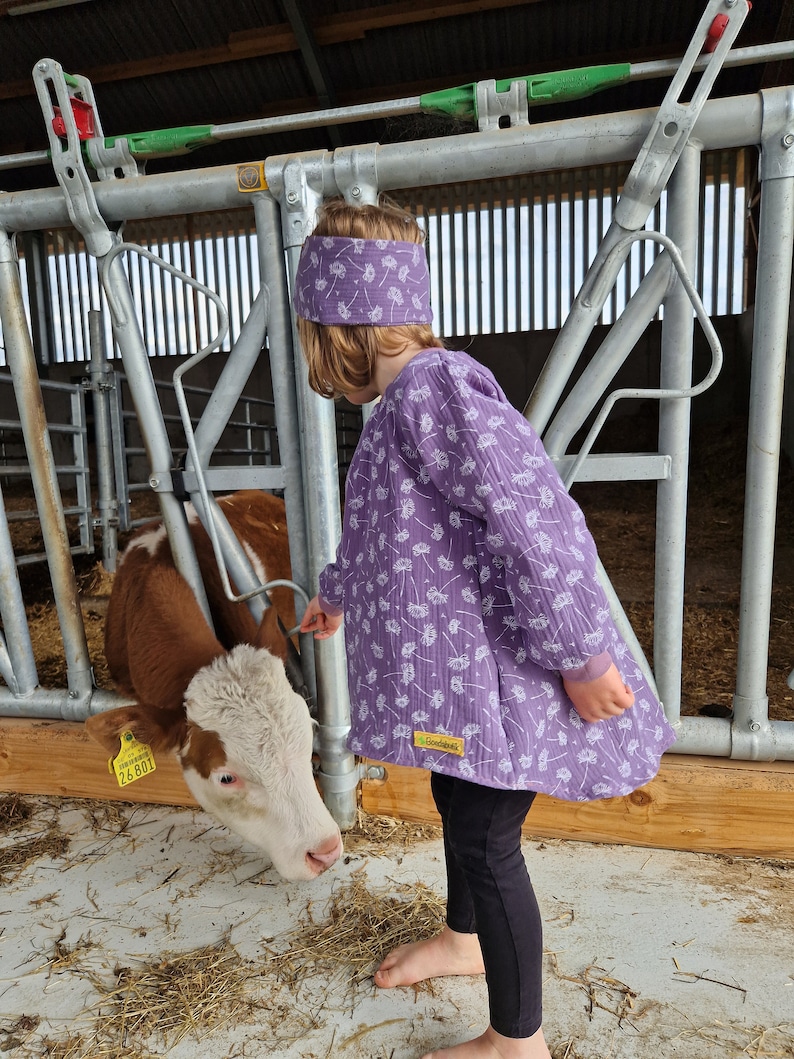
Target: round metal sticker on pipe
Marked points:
251	177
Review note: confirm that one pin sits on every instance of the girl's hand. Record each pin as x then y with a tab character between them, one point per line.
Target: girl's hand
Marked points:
316	621
596	700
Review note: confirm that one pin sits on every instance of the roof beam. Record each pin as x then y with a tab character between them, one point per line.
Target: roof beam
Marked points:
312	56
279	39
780	72
314	61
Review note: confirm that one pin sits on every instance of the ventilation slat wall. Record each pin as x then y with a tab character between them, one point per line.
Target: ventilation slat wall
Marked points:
505	256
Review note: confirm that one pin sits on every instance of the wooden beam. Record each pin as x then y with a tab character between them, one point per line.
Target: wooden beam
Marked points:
354	25
706	805
59	757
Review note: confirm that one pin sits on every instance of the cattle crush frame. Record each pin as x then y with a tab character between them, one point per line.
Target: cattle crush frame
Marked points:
283	193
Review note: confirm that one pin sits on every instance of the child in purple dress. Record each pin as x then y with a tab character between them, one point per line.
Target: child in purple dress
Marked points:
479	641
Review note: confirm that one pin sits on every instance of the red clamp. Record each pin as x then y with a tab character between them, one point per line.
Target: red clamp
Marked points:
83	118
716	30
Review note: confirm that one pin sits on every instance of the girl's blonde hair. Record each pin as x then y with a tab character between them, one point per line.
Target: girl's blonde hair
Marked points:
341	358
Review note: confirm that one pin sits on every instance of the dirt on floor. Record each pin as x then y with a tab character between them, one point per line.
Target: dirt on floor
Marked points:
135	931
622	519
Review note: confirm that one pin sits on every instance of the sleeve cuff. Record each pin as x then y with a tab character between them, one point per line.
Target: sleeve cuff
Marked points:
593	668
333	611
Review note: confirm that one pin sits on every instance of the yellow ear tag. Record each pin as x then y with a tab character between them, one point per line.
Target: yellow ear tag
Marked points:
134	761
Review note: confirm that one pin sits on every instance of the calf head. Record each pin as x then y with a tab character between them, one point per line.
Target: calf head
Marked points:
244	741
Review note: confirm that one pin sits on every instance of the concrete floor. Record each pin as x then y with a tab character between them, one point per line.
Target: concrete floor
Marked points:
649	953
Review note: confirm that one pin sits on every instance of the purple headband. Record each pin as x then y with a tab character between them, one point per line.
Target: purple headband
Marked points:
378	282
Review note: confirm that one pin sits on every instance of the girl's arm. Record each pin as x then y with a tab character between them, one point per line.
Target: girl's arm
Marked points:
484	458
596	700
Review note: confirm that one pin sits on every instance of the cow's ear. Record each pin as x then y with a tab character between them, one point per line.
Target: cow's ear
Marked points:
271	635
162	730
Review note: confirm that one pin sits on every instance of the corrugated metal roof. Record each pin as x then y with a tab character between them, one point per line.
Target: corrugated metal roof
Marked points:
165	63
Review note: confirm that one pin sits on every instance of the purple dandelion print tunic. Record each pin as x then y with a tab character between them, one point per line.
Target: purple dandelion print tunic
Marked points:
466	574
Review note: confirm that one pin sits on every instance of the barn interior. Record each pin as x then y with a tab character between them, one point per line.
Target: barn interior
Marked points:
320	80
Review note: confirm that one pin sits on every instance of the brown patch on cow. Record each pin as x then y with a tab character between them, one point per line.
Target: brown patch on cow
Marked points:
258	519
162	730
156	636
204	751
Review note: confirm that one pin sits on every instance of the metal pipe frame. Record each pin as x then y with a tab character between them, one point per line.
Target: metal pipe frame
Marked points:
573	143
107	495
300	187
678	389
754	736
17	662
30	403
270	249
674	427
147	405
612	354
299	183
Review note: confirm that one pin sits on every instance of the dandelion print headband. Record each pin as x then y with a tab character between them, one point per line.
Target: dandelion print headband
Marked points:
378	282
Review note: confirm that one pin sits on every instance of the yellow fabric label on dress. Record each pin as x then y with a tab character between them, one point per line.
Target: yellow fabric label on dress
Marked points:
134	761
448	744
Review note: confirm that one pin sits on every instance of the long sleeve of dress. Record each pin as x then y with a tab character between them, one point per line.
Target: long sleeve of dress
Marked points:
486	459
332	593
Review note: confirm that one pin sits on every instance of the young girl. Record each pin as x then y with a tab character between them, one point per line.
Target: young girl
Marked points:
479	641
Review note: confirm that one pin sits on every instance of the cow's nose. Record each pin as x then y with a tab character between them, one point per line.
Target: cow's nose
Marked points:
325	855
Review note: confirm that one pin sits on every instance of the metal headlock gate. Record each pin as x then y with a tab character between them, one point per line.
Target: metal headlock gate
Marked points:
284	191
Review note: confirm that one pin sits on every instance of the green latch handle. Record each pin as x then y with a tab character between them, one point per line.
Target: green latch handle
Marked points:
163	142
557	87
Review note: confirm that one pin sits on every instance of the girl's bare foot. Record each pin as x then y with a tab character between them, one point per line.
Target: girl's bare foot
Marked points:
446	953
493	1045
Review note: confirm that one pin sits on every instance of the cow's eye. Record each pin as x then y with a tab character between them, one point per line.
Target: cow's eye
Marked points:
227	778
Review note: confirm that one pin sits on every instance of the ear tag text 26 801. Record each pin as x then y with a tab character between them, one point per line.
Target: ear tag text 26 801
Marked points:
134	761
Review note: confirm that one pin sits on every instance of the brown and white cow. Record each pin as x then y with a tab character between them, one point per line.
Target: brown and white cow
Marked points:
220	701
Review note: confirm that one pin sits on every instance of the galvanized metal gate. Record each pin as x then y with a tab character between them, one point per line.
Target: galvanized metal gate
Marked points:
284	193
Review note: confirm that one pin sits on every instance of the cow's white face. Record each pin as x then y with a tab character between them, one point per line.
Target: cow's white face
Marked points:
247	761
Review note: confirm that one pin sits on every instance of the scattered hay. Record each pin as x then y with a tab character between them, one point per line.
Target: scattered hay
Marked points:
78	1046
380	834
15	811
47	643
360	929
15	859
565	1050
68	957
775	1042
104	816
95	583
604	992
14	1036
150	1008
176	995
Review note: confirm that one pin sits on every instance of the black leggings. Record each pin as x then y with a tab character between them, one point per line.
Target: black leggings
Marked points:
489	893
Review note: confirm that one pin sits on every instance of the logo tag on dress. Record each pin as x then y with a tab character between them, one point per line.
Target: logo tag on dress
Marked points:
449	744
